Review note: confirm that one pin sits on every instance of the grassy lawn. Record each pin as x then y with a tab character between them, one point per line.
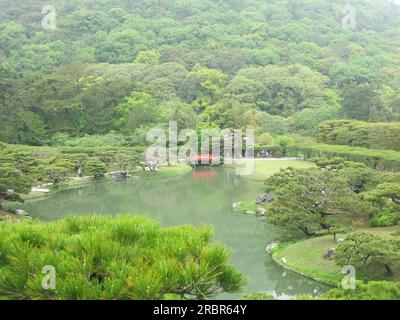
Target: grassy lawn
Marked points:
265	168
33	195
244	207
384	232
165	171
307	256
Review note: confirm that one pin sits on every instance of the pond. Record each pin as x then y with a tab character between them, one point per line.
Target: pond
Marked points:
203	197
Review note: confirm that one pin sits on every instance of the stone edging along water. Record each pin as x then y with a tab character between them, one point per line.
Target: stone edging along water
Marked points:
284	266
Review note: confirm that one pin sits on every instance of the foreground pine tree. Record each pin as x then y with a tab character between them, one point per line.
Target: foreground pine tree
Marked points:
98	257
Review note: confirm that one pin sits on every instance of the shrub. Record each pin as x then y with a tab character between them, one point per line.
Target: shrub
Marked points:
360	134
95	167
245	207
110	139
386	219
385	160
373	290
98	257
90	151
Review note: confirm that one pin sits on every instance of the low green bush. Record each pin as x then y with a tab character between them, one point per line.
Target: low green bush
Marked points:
386	219
372	290
360	134
111	139
384	160
245	207
90	151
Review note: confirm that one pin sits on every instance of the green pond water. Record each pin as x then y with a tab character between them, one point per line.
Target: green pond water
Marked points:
203	197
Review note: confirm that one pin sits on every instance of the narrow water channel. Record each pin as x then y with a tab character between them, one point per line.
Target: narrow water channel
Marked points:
203	197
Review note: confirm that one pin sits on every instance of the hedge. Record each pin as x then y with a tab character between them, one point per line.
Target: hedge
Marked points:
45	151
384	160
93	150
360	134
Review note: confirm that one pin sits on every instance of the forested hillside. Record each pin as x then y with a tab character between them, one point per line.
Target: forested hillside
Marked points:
124	65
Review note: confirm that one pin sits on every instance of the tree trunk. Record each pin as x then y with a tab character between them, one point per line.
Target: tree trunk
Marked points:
389	271
325	225
2	197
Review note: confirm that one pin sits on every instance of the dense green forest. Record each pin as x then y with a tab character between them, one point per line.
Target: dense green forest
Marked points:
277	66
83	82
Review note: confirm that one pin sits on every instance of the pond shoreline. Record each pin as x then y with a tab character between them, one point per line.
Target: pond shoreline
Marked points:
306	257
35	195
87	181
305	275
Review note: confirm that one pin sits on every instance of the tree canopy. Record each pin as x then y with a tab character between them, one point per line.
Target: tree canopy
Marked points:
105	59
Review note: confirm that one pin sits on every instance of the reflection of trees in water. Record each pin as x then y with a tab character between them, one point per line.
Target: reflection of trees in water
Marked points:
80	201
165	196
232	179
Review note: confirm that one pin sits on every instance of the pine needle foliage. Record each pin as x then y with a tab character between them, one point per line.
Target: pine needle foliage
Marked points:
124	257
